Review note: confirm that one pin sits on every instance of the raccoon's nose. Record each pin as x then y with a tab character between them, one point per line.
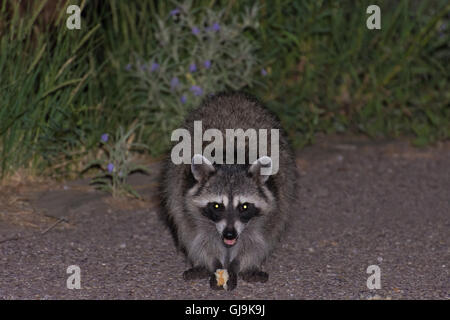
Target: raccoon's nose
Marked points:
230	234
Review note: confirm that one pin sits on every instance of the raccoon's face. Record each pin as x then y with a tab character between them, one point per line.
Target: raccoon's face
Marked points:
230	196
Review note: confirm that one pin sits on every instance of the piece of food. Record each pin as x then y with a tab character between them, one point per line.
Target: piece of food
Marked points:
222	278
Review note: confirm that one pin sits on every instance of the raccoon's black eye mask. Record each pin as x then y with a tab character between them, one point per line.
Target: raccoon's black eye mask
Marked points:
247	211
214	211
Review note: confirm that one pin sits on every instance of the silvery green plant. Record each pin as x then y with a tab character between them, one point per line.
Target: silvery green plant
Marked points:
198	52
116	164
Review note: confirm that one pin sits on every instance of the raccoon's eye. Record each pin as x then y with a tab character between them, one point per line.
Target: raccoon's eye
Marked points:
216	206
244	207
247	211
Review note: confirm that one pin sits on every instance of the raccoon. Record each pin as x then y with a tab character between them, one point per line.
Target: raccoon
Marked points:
229	216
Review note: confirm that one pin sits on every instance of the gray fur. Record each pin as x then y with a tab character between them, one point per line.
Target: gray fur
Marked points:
198	236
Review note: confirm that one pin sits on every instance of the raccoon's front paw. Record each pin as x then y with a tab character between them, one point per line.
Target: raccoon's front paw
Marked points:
232	281
196	273
255	276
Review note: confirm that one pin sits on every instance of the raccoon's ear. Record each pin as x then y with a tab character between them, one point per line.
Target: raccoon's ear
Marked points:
261	168
201	167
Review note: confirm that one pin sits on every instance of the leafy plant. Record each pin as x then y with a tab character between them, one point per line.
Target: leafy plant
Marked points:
116	164
197	52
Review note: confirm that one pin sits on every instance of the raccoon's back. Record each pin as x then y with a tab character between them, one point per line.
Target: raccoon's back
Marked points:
232	111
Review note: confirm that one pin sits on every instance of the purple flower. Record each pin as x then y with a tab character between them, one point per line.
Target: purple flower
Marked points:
442	29
214	27
154	67
128	67
105	137
192	67
174	82
263	72
196	90
183	99
207	64
195	30
174	12
110	167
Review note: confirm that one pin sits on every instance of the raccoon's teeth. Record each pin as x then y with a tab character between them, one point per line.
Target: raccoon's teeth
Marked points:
229	242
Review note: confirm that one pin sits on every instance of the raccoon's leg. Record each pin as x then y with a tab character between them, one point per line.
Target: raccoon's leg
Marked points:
233	270
196	273
254	275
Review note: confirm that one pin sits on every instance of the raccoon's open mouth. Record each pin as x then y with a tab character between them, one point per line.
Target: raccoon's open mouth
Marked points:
229	242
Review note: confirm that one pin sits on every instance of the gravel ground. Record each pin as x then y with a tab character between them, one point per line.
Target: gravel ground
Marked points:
361	203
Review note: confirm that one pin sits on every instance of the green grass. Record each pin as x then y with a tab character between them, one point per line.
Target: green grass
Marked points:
339	76
48	106
61	89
